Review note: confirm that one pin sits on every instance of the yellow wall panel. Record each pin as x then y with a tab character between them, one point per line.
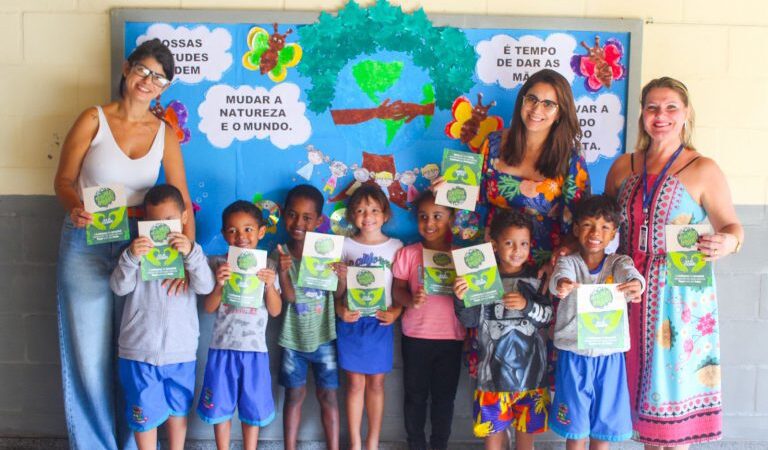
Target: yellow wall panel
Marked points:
747	55
558	8
732	12
12	142
685	51
749	190
104	6
650	10
10	36
26	181
41	89
43	136
37	5
233	4
66	38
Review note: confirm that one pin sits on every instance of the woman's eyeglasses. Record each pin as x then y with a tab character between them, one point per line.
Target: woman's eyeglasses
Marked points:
531	101
158	80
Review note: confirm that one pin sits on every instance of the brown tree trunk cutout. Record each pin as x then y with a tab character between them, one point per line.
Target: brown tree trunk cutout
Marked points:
396	110
379	163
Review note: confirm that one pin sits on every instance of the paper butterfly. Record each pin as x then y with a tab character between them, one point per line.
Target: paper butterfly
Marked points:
472	124
269	54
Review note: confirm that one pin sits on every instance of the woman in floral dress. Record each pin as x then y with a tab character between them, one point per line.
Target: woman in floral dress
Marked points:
673	366
535	165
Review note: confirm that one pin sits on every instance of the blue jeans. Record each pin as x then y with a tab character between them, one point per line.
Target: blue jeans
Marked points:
89	318
293	368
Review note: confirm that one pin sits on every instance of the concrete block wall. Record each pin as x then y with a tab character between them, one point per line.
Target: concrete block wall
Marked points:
31	403
54	62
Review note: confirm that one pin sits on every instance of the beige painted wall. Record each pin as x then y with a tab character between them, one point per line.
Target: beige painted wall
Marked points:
54	62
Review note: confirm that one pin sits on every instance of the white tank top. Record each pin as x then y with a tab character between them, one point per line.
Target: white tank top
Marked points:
105	163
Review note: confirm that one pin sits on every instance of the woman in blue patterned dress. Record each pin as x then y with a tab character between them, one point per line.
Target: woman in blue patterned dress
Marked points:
673	366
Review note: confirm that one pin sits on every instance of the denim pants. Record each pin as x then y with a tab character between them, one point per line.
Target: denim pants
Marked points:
89	317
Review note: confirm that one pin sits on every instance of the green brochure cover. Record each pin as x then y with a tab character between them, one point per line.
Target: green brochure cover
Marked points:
320	252
602	317
110	222
439	273
461	172
477	264
686	265
163	261
244	289
366	290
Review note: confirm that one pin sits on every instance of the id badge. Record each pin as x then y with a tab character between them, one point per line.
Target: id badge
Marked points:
642	241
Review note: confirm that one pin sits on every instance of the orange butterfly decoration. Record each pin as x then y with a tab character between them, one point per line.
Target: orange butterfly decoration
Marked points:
472	124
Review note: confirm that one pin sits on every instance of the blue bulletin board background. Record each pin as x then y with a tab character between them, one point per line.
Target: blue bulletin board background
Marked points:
248	135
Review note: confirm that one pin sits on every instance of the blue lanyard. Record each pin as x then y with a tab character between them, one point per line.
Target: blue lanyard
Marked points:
647	197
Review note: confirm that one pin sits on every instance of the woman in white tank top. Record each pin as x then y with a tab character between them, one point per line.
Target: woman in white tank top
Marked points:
125	143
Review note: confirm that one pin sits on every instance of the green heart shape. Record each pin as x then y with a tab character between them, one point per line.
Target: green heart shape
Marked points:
172	254
97	222
117	216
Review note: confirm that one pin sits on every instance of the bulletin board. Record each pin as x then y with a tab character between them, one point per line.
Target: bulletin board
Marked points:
262	101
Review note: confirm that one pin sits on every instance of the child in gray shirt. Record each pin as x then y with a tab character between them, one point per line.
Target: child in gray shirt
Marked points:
591	396
159	331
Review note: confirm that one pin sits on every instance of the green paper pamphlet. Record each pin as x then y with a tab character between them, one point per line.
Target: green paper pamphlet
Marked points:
477	264
686	265
107	203
244	289
163	261
320	251
461	172
439	273
602	317
366	290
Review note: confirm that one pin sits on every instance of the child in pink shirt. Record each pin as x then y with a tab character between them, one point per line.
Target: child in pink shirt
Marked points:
432	335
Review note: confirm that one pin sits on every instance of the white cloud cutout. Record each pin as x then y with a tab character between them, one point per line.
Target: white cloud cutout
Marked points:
247	112
200	54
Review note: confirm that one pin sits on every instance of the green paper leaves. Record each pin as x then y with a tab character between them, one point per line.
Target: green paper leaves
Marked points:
331	42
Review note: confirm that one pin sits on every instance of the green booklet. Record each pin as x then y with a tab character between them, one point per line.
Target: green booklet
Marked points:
163	261
110	222
320	252
244	289
602	318
461	172
686	265
439	273
477	264
366	290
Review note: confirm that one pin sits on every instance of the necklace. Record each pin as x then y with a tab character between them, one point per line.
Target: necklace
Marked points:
642	241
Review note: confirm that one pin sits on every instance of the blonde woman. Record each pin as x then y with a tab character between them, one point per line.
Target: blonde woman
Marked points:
673	366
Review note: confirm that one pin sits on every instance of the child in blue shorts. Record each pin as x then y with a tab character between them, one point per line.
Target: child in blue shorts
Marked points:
237	371
591	396
309	330
158	332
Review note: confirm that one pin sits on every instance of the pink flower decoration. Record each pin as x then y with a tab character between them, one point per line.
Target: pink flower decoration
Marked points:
706	324
586	65
686	315
688	345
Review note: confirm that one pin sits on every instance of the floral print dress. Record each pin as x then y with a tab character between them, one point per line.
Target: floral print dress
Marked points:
548	201
673	365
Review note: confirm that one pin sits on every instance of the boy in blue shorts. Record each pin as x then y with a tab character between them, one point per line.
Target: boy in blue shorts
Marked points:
237	371
309	323
158	333
591	396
